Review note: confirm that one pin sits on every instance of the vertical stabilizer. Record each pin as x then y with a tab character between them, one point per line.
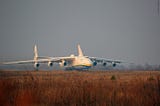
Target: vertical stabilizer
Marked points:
80	53
35	53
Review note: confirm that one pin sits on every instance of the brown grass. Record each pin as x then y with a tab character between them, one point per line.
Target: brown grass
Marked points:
74	88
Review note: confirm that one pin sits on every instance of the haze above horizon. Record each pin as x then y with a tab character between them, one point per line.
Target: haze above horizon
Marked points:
127	30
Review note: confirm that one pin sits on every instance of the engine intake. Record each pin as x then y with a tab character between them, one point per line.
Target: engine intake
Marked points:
63	63
104	64
94	63
50	64
36	65
114	64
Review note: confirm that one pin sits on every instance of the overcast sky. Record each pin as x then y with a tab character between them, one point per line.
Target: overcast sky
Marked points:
127	30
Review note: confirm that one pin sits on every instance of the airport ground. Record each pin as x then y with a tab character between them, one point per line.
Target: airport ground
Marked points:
78	88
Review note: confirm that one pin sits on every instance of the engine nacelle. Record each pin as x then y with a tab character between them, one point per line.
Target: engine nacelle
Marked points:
50	64
104	64
94	63
63	63
36	65
114	64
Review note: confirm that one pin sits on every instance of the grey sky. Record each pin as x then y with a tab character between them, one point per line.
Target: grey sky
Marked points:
126	30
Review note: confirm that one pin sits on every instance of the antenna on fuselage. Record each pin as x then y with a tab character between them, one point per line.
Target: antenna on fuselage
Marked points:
80	53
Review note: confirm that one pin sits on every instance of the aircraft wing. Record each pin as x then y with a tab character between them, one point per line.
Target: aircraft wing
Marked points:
25	61
60	59
104	60
18	62
42	60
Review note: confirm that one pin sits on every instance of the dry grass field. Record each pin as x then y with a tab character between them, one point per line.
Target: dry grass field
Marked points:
77	88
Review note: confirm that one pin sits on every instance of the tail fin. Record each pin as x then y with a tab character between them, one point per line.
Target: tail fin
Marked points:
35	53
80	53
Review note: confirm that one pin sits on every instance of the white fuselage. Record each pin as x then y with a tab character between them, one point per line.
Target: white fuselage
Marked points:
80	62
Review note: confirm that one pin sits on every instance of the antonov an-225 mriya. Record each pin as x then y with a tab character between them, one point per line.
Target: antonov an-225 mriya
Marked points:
72	62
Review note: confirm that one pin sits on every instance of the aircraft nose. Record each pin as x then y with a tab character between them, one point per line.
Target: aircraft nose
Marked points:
90	63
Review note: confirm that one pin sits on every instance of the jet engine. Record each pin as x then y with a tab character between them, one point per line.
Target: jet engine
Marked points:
63	63
114	64
94	63
104	64
36	65
50	64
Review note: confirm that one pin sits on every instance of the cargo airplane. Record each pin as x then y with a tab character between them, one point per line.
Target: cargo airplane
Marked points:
72	62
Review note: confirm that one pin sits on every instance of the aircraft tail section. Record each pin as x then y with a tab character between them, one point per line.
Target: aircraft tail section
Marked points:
80	53
35	53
